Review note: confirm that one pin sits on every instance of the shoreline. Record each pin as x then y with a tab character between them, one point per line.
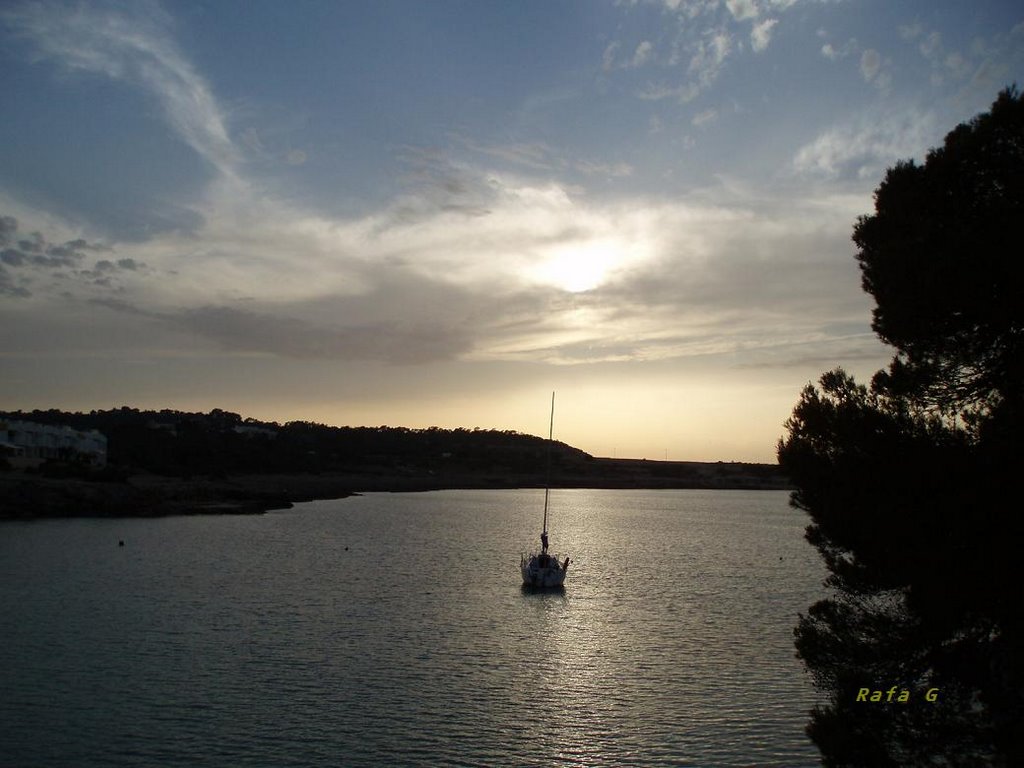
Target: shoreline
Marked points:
33	496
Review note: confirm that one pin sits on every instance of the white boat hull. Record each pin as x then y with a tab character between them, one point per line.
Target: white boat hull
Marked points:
543	571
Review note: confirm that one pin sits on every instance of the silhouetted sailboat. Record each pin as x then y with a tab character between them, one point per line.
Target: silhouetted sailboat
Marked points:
542	569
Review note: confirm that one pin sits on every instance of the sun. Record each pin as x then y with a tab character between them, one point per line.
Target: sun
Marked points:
578	267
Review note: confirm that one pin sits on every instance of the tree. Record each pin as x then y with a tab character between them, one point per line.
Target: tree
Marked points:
943	256
906	481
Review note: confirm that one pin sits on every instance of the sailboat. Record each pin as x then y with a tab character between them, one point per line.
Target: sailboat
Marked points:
543	569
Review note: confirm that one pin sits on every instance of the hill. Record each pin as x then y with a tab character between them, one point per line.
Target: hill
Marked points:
171	462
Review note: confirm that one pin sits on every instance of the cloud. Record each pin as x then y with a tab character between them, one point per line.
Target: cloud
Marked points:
536	155
742	10
833	53
610	170
709	56
981	69
931	45
12	257
546	276
929	42
727	280
958	66
237	330
382	325
455	180
870	64
608	58
490	253
642	53
132	44
865	146
872	69
702	44
11	287
707	35
911	31
659	91
761	34
705	117
8	229
34	257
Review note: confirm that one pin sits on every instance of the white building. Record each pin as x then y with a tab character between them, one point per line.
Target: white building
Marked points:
28	440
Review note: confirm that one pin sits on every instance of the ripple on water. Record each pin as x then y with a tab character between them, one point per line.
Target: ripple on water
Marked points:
262	641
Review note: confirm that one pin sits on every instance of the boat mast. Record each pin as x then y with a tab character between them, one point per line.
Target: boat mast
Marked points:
547	479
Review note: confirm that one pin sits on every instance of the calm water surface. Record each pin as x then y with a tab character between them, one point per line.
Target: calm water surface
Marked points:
391	629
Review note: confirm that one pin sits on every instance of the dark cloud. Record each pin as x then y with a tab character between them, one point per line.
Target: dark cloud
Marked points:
34	250
12	257
33	255
245	331
33	244
57	256
436	184
8	226
287	336
104	271
8	287
119	305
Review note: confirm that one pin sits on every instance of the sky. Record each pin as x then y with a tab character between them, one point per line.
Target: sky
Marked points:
437	213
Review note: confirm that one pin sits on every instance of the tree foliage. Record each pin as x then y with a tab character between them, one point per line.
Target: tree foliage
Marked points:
906	481
220	442
943	256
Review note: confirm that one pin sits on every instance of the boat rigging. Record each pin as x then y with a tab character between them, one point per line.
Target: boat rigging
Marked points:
543	569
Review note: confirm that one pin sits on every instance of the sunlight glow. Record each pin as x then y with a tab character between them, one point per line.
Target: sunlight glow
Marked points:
580	267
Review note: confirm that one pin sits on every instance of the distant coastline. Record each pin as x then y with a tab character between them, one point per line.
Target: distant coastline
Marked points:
130	462
32	496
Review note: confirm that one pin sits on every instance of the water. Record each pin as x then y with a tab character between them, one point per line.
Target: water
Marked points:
391	629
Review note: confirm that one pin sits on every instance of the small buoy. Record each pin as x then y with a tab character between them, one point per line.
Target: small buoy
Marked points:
346	549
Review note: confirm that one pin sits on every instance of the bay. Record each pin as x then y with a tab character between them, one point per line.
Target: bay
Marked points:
391	629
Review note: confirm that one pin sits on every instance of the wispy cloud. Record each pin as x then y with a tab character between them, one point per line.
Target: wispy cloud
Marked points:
761	34
870	64
836	52
608	58
709	56
641	55
704	118
707	35
538	157
742	10
544	275
865	146
133	44
491	253
981	66
660	91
